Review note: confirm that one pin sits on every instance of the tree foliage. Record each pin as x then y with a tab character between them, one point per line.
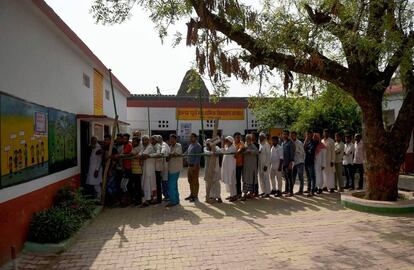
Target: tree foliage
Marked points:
332	109
356	45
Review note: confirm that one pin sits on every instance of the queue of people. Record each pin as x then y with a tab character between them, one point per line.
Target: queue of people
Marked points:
145	170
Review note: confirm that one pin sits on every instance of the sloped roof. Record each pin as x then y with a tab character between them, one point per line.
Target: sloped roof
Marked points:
191	85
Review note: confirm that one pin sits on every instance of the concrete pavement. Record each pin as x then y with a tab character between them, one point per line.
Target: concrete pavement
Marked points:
290	233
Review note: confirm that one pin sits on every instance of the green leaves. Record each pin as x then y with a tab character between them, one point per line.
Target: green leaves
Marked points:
60	222
333	109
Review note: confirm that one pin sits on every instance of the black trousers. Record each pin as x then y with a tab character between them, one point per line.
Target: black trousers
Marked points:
239	170
289	179
349	175
360	169
158	178
135	188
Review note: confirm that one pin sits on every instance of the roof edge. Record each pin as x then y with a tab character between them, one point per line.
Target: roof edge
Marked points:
60	24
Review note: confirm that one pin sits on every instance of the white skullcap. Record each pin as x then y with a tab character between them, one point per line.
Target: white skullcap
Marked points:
230	138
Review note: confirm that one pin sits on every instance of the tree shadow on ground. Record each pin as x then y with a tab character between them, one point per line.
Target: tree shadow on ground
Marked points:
380	248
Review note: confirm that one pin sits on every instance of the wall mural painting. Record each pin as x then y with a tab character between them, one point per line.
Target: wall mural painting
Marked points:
35	141
24	141
62	140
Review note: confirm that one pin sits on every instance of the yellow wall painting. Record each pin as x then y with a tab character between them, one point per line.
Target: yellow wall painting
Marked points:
23	140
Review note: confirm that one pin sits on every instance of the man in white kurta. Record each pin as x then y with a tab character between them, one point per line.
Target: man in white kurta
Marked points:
228	168
329	171
148	167
276	158
264	165
212	175
320	161
94	177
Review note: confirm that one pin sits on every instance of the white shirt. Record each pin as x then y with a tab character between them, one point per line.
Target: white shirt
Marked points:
175	164
165	151
339	152
348	154
330	151
299	152
264	155
276	154
359	153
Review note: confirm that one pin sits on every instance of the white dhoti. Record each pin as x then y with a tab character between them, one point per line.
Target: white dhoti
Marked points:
149	182
264	181
232	189
328	178
319	162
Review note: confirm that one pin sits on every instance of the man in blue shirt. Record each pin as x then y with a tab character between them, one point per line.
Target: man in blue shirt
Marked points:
193	160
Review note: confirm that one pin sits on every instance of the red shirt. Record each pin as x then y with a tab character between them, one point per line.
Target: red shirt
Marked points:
239	156
126	163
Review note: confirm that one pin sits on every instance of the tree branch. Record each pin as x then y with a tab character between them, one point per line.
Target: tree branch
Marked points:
396	58
317	65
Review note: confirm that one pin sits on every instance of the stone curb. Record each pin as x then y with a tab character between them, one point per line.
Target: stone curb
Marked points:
399	207
62	246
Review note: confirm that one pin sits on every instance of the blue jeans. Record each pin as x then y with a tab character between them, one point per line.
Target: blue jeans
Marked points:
173	187
310	174
298	169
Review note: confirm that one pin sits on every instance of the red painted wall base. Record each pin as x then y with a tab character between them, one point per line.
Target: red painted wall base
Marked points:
15	215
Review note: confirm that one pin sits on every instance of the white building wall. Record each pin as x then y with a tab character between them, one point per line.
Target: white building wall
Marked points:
38	63
393	103
138	120
41	67
137	117
120	100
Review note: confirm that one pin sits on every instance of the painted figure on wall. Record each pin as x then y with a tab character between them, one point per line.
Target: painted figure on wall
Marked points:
32	154
25	155
22	128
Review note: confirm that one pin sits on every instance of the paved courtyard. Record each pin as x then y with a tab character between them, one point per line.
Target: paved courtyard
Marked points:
290	233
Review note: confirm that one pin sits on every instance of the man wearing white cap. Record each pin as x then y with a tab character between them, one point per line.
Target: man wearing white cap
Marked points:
228	168
264	165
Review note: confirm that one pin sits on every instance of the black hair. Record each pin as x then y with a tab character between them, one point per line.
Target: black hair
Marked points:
107	136
275	138
236	134
126	135
294	132
173	136
286	131
195	135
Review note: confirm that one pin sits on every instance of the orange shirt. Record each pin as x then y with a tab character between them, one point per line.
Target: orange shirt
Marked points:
239	157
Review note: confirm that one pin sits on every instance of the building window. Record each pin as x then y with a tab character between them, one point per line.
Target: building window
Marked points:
210	123
107	95
86	80
255	124
163	124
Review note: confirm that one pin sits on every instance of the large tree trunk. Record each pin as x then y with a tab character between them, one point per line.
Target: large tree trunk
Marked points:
383	154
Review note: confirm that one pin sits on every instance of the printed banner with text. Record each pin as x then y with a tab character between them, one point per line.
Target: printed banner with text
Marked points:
210	114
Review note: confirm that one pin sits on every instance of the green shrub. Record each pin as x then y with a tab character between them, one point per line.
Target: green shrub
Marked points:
69	197
71	208
54	225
